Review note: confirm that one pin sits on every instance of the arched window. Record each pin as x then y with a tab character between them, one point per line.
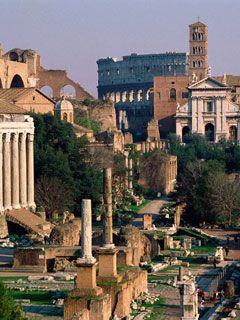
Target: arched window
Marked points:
173	94
13	56
68	91
209	132
65	117
112	97
47	90
185	133
148	94
17	82
124	96
233	133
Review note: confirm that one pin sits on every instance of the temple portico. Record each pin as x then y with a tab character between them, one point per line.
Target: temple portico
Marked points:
16	161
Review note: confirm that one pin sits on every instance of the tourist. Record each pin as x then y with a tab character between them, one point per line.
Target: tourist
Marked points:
215	263
228	239
201	308
226	251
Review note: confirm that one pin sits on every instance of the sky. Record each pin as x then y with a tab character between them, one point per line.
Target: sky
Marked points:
74	34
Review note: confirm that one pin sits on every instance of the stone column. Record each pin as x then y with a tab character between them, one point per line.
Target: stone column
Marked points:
126	153
15	172
30	172
23	171
7	171
1	173
130	181
86	236
107	196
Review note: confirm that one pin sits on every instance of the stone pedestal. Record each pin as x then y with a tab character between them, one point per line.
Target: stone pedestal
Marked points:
86	283
107	259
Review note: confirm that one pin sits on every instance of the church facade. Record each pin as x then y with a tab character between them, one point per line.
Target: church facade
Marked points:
209	111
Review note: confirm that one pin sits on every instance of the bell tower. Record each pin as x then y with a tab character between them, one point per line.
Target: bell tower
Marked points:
198	50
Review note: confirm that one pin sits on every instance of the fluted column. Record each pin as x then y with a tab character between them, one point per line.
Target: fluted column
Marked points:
23	171
7	171
15	172
1	173
30	171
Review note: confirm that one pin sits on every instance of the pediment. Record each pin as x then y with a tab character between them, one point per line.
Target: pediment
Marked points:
208	83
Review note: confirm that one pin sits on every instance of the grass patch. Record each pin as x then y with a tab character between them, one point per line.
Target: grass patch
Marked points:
135	208
204	249
9	278
35	297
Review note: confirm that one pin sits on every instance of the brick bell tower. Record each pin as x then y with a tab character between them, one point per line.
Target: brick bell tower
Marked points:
198	50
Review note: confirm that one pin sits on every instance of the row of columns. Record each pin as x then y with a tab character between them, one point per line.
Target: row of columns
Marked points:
16	170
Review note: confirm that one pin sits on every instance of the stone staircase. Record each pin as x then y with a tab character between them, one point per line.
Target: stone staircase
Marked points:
29	221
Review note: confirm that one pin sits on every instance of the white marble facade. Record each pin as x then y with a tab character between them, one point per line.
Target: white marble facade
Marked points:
209	111
16	162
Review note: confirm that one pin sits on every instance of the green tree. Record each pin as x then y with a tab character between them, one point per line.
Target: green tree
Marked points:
8	309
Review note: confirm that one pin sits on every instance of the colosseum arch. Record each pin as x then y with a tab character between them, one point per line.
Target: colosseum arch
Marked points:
17	82
47	90
68	90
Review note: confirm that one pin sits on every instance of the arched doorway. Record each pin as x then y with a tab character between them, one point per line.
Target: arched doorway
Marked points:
17	82
185	133
47	90
68	91
209	131
233	133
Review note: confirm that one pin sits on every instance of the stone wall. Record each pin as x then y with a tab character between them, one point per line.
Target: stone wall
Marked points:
3	227
104	113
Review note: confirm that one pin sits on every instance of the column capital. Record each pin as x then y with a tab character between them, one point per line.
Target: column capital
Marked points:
30	137
23	135
7	137
15	136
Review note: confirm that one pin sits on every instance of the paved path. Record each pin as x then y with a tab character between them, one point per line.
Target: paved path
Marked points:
153	207
234	253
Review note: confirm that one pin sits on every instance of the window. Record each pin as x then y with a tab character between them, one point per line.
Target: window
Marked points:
209	106
184	95
173	94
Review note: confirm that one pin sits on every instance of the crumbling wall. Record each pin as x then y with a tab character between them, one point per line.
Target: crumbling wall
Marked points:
105	113
66	234
133	238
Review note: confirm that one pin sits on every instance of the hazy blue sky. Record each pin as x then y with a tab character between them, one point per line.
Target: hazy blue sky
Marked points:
73	34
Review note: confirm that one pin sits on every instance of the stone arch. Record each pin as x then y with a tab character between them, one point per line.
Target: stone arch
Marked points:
68	91
148	94
209	131
17	82
13	56
233	133
124	96
118	96
140	95
112	96
172	94
47	90
131	95
1	83
185	133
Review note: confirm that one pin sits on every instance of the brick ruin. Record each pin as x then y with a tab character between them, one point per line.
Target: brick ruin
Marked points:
20	68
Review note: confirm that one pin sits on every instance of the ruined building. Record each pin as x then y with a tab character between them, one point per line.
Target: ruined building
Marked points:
129	83
22	69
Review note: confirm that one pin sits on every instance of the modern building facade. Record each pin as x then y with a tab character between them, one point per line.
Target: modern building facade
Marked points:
209	111
16	158
129	84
